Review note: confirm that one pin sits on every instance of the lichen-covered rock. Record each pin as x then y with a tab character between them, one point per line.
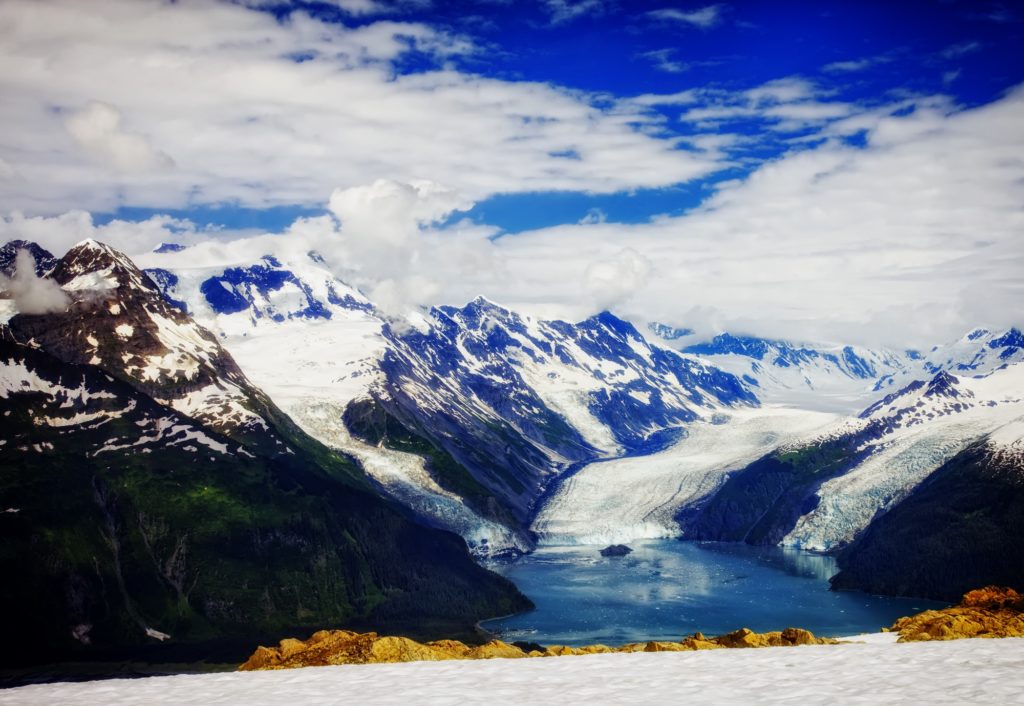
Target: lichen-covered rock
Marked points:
493	649
986	612
343	647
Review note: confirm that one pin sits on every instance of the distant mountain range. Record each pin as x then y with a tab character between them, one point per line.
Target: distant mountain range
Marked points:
213	424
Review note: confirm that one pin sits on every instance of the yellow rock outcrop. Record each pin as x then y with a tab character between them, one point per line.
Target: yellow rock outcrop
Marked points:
328	647
986	612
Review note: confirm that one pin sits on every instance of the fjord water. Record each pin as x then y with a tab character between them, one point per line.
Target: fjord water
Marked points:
667	589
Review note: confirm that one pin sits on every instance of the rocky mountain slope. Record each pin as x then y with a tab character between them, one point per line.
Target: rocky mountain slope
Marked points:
152	495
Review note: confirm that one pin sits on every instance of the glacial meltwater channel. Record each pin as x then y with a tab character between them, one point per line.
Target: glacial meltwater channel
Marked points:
667	589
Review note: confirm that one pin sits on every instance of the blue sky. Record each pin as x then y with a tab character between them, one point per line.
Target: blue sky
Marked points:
845	171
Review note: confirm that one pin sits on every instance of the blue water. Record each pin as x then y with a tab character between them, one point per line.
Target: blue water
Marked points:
667	589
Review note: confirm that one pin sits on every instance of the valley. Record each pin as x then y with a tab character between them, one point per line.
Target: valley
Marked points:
518	435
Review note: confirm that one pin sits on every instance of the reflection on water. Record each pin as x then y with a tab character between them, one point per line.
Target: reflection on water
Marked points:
667	589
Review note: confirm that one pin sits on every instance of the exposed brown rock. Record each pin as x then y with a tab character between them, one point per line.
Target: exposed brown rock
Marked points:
986	612
343	647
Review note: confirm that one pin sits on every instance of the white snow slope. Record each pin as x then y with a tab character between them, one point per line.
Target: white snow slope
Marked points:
877	672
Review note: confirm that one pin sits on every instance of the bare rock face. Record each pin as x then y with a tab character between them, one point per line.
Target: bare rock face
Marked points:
329	647
986	612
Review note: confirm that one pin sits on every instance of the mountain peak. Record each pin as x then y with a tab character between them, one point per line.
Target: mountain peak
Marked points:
943	384
482	303
92	265
45	260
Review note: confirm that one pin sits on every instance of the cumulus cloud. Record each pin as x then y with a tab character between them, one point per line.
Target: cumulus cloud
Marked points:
616	279
32	294
97	128
262	112
381	245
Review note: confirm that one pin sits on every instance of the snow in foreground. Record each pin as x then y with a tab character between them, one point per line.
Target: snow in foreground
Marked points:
961	671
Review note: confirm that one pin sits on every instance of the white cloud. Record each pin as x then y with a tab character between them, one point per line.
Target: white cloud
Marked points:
359	7
912	240
97	128
782	90
261	113
855	65
614	280
663	60
564	11
785	104
954	51
849	66
704	18
59	233
32	294
380	246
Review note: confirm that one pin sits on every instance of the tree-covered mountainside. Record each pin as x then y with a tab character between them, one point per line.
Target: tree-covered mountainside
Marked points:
962	527
151	496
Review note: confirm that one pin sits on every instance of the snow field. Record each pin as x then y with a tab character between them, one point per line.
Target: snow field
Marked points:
877	672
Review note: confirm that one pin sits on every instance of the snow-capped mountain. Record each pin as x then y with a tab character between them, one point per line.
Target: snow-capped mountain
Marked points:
486	422
842	378
153	493
977	353
510	430
118	320
517	401
826	378
314	344
44	260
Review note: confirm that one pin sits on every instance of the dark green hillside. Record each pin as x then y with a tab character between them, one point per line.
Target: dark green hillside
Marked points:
370	421
960	529
101	543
